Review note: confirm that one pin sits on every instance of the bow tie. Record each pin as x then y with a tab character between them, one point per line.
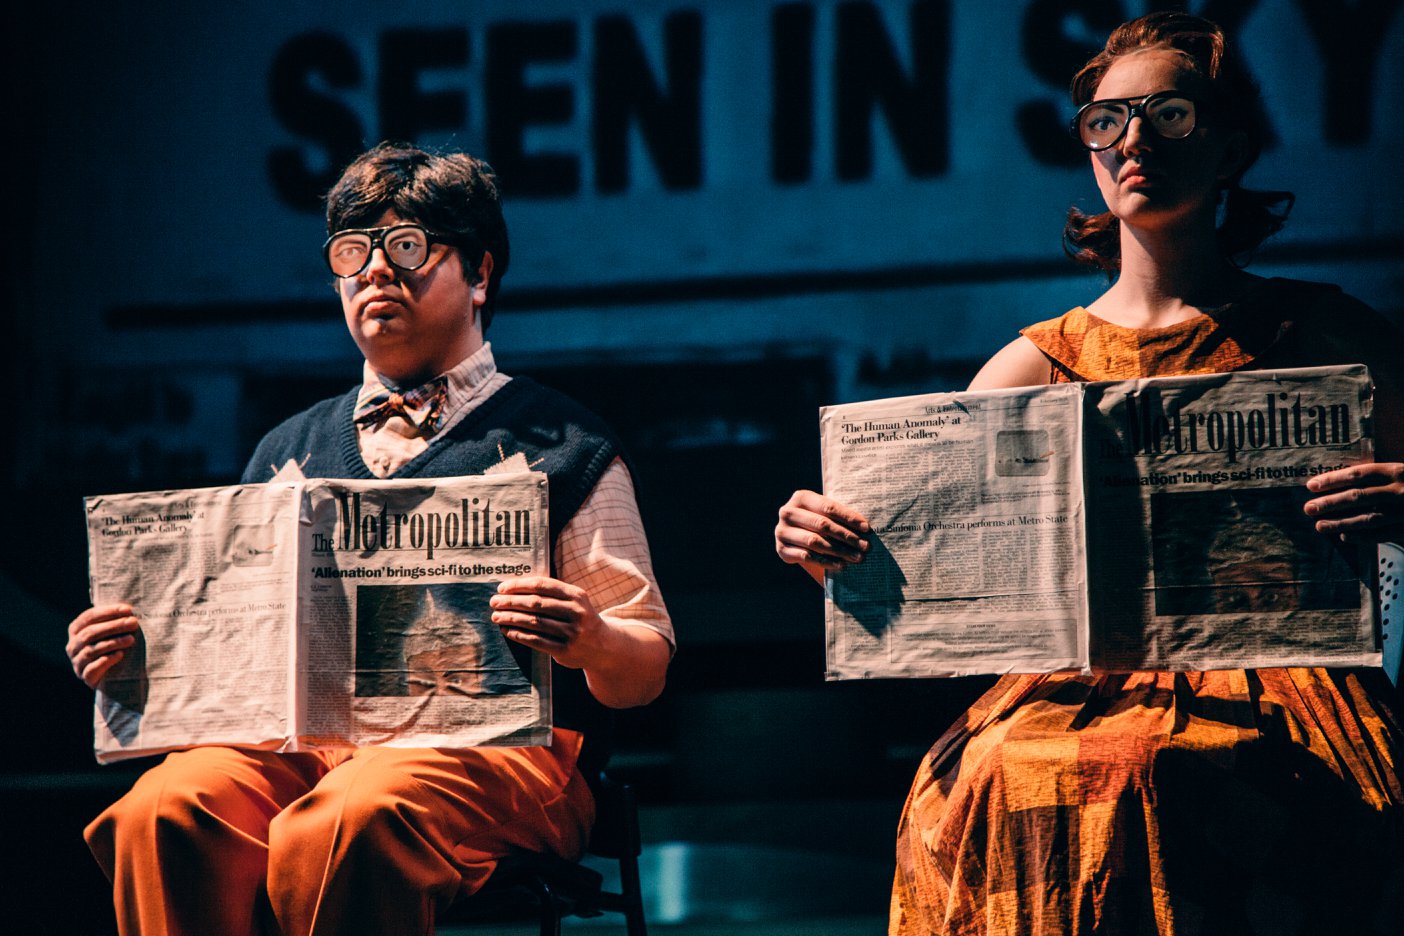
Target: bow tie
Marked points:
422	407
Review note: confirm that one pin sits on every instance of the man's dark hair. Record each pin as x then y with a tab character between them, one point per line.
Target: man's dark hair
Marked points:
452	194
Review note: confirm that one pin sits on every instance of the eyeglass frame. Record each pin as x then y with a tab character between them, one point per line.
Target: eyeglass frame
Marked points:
1135	108
377	236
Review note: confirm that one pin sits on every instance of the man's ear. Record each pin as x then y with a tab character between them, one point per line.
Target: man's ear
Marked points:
481	278
484	274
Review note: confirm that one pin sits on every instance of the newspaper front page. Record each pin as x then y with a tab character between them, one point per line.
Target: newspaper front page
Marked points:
399	645
1151	524
976	564
211	573
320	613
1200	553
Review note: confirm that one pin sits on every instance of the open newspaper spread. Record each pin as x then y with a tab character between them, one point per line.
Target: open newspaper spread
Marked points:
1114	526
312	613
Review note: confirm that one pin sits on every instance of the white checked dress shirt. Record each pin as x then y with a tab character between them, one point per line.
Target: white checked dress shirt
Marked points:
602	549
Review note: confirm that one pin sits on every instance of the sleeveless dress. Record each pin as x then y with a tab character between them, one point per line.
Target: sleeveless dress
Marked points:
1174	804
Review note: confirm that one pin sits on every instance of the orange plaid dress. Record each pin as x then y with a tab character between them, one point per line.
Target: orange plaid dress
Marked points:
1175	804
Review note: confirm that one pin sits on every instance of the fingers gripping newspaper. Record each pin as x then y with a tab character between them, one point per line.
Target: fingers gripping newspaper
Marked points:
1115	526
312	613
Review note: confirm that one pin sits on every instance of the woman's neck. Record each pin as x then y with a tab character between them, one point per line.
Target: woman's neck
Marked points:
1169	276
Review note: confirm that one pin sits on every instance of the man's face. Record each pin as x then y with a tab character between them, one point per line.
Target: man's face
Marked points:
414	325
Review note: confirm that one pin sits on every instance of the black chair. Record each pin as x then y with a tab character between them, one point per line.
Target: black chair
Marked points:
555	888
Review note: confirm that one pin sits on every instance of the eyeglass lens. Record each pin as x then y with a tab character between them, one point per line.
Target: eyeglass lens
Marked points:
406	247
1102	123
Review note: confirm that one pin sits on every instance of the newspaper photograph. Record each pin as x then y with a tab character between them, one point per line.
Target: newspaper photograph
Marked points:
315	613
1150	524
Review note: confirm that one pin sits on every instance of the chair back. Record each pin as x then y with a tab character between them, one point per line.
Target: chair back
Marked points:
1392	607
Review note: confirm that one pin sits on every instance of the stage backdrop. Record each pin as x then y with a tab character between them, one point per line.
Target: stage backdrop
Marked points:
723	213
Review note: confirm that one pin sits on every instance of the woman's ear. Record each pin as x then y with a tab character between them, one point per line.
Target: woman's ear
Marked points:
1234	159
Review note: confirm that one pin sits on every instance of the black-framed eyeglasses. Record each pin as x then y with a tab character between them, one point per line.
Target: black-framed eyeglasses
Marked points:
1100	125
406	246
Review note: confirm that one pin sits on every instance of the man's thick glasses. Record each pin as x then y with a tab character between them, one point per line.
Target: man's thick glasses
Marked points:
1100	125
406	246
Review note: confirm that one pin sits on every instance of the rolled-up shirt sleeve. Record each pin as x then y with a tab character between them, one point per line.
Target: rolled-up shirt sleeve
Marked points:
603	549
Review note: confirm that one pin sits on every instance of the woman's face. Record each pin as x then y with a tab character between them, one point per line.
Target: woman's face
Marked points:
1147	181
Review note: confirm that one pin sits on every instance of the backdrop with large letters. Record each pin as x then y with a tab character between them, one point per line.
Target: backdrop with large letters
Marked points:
724	213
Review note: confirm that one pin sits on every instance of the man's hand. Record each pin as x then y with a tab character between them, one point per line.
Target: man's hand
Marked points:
819	534
1362	503
624	664
549	615
98	639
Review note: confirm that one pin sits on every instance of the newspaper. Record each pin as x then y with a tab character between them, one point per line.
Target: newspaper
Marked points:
320	613
1115	526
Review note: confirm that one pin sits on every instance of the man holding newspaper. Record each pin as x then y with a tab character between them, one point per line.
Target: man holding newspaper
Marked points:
377	839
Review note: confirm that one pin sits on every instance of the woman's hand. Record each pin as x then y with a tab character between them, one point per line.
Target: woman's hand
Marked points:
1362	503
98	639
820	534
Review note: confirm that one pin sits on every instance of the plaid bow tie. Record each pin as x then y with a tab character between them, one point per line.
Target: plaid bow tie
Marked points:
422	407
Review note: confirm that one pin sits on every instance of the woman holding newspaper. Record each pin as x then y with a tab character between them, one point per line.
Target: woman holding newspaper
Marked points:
1173	803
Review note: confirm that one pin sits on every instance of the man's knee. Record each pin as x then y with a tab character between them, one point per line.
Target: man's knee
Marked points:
185	799
359	805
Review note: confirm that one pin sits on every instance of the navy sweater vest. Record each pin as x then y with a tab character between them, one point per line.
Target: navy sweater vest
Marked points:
557	435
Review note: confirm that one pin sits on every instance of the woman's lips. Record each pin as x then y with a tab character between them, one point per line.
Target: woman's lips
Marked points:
1138	178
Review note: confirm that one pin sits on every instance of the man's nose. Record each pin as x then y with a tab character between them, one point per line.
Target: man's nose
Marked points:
378	268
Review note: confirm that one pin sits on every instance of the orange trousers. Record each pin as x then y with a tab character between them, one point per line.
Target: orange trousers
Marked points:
373	840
